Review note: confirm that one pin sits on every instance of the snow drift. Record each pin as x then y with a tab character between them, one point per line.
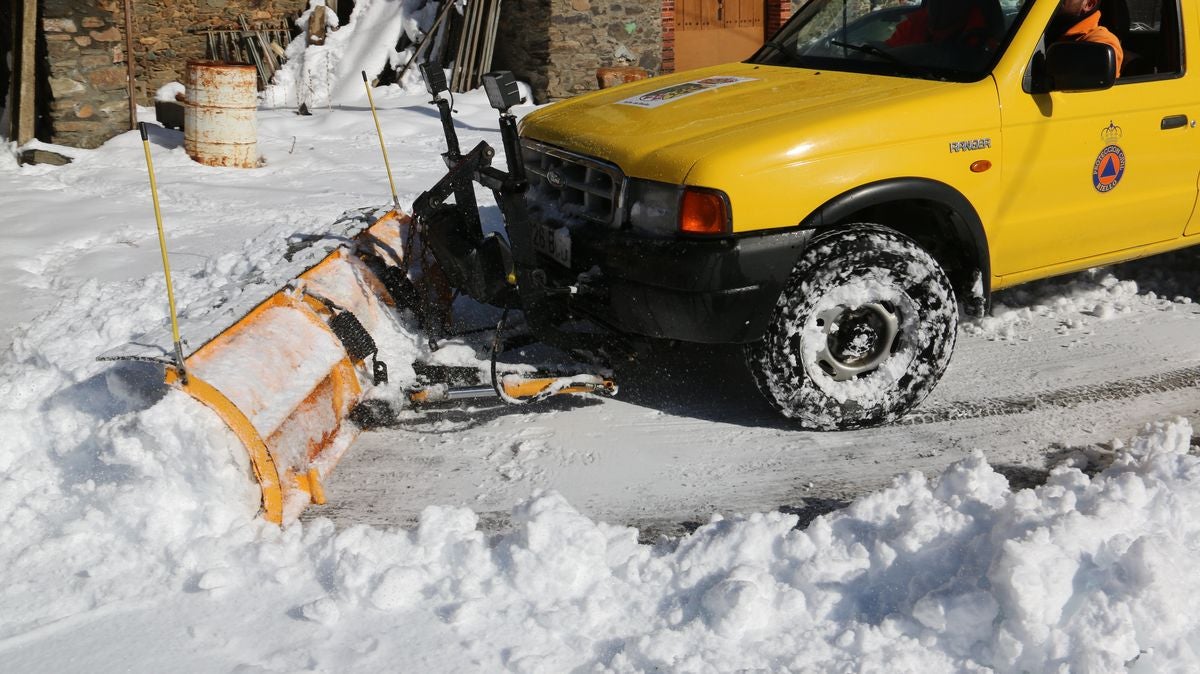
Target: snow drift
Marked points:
112	501
330	74
130	540
103	506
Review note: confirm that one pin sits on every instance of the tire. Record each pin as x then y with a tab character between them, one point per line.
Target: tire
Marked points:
862	332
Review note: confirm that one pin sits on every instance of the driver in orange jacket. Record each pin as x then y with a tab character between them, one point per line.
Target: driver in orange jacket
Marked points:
940	21
1079	21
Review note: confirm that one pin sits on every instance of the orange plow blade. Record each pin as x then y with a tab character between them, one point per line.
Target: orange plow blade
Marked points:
285	375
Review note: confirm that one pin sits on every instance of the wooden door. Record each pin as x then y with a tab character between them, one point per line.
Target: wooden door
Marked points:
708	32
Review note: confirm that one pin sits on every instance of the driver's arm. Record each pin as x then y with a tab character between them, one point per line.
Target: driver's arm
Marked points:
912	29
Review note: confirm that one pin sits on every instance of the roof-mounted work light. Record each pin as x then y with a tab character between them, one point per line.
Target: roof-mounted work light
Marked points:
501	88
435	77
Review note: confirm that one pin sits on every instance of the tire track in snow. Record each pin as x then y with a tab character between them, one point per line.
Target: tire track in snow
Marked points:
1173	380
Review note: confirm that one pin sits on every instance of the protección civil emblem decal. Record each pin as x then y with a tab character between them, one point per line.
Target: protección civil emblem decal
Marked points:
1108	169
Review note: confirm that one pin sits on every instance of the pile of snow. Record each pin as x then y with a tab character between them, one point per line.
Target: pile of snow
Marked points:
129	522
1078	300
147	513
171	91
331	73
128	514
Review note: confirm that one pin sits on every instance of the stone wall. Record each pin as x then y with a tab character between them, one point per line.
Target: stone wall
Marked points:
85	42
557	45
523	43
164	37
88	78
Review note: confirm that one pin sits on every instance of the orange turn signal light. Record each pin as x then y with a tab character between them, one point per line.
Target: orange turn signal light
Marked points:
980	166
703	212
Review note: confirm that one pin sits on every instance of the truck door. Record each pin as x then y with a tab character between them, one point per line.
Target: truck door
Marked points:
1096	172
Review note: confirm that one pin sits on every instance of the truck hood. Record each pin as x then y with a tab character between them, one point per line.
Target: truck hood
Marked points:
659	128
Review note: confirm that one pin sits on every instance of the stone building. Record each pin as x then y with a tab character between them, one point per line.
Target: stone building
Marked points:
557	45
71	70
80	93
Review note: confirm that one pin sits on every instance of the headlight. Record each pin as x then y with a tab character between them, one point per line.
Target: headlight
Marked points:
661	209
652	207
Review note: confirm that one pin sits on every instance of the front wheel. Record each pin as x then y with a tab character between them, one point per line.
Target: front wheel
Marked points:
861	333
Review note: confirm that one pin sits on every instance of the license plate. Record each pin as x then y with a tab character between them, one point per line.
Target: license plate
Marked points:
553	242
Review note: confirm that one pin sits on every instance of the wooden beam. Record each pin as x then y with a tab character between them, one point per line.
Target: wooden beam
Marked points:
25	72
129	63
10	87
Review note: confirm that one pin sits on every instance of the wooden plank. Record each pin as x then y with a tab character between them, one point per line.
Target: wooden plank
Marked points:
700	48
460	54
717	31
698	15
10	91
475	10
248	39
129	65
468	46
26	73
489	45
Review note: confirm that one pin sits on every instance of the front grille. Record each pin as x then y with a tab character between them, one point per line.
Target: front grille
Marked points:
571	186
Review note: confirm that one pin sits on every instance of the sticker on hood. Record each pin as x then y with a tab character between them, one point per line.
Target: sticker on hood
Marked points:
653	99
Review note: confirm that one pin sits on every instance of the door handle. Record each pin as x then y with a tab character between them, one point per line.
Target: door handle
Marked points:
1173	122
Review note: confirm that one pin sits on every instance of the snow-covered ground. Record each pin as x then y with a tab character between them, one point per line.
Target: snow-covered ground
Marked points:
1040	513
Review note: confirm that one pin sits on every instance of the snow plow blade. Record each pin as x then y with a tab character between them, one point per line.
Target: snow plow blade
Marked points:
291	412
285	375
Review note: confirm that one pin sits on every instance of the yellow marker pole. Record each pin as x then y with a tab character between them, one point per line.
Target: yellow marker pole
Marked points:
379	132
162	245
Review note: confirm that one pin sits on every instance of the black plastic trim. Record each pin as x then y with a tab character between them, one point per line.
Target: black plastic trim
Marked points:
967	224
713	291
724	290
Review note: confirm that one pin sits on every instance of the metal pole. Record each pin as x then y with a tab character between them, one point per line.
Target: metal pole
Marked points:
162	245
379	131
129	63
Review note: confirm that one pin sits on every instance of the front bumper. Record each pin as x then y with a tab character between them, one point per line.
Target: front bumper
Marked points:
713	291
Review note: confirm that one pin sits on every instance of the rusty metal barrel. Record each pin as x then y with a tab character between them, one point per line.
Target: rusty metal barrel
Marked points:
220	116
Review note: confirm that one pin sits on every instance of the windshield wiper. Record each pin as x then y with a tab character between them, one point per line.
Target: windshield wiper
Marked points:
887	56
872	50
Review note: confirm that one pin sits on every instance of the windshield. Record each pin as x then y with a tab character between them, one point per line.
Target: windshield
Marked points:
957	40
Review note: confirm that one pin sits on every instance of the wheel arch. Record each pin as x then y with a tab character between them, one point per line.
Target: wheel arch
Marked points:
935	215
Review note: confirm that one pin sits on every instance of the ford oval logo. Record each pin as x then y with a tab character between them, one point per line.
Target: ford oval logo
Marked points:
554	178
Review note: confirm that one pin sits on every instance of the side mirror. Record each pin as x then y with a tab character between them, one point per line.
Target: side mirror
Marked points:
1080	66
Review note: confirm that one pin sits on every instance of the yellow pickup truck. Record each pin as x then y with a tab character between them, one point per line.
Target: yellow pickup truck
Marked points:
837	199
